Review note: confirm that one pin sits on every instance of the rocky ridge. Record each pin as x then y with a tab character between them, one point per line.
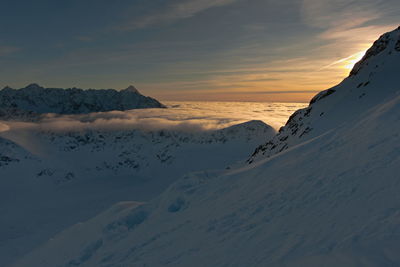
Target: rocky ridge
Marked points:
29	102
356	92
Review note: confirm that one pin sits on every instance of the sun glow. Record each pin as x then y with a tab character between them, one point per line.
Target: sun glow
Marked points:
347	62
350	61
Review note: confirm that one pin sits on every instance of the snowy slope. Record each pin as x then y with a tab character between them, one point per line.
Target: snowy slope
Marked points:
330	199
34	99
374	77
47	175
11	153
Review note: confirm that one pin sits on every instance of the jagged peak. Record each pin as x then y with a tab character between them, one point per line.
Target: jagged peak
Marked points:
6	88
34	86
388	41
37	99
132	89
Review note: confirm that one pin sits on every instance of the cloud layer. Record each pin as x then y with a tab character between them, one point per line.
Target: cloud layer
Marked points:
180	116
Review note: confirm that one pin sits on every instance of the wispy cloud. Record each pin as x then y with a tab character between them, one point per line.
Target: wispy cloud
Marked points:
348	27
6	50
4	127
347	20
344	14
174	11
84	38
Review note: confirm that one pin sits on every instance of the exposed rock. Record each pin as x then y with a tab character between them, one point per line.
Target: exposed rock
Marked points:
364	76
33	100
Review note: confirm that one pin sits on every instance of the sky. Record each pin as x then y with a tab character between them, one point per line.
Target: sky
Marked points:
214	50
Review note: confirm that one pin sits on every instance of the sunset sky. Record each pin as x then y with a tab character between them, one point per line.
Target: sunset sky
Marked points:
250	50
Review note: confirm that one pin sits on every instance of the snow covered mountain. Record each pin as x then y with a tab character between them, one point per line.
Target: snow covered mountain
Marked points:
323	192
34	99
374	77
44	176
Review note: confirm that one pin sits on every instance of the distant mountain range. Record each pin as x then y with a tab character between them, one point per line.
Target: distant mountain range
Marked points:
34	99
324	191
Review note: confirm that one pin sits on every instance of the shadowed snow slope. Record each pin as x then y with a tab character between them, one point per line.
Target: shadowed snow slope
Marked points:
52	180
328	199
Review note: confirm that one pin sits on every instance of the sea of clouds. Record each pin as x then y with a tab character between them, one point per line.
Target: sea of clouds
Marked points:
180	116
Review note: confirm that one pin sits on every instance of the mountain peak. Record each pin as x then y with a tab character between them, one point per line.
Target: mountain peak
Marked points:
6	88
39	100
372	79
389	42
132	89
33	86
